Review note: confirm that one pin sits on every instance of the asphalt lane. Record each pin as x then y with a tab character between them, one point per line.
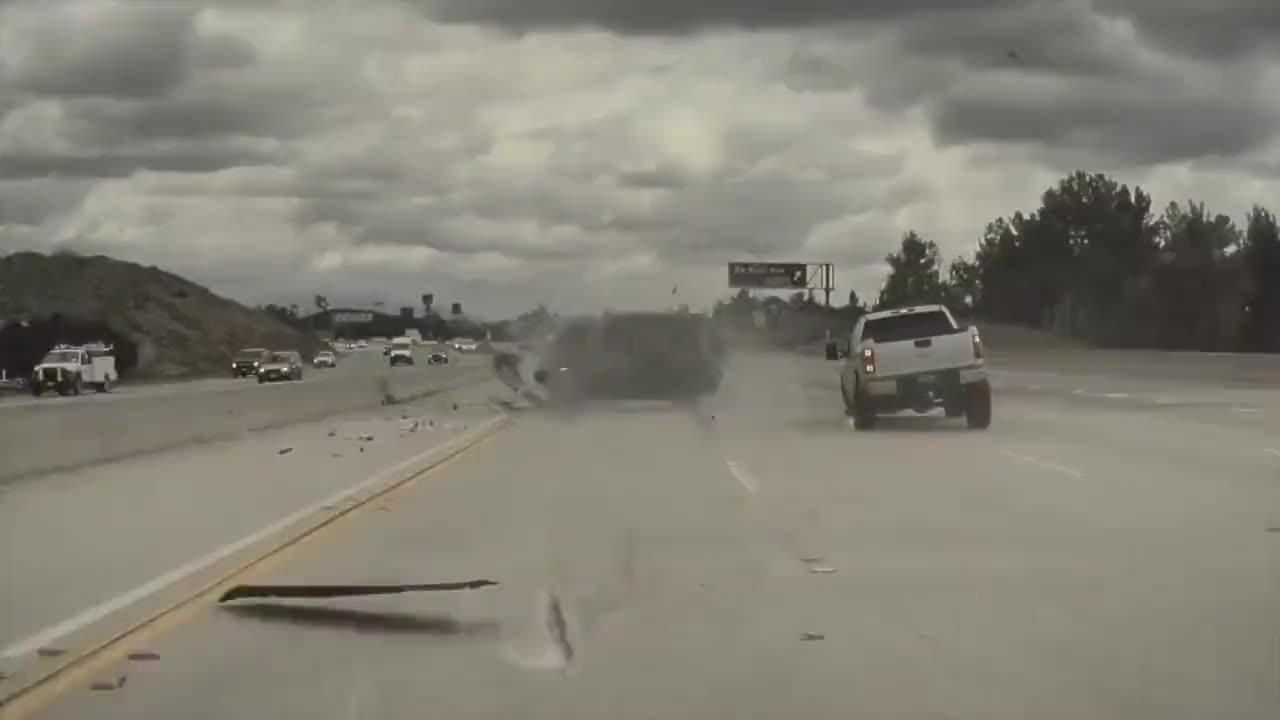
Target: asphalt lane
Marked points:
1088	556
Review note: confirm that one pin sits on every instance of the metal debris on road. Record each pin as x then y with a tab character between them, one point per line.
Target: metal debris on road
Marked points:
109	685
143	656
284	451
811	636
327	591
51	652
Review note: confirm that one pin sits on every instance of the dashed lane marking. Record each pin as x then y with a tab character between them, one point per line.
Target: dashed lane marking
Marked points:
1043	464
743	476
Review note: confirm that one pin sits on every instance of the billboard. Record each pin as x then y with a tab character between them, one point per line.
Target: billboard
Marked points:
352	317
768	275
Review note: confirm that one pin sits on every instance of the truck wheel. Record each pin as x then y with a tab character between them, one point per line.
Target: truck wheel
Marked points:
978	405
37	389
844	398
261	379
864	411
107	384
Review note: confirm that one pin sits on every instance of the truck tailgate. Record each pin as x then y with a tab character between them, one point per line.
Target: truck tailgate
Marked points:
909	357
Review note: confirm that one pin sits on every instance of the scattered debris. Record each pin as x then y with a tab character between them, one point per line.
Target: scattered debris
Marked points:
820	570
411	425
455	406
284	451
51	652
1275	529
364	437
333	433
4	676
143	656
811	636
361	448
558	626
109	685
811	560
335	455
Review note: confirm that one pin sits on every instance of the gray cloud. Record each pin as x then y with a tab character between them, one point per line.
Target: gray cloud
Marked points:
1209	28
628	16
126	50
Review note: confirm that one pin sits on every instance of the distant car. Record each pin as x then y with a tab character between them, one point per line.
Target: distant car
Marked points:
325	358
362	344
247	362
438	357
401	352
283	365
465	345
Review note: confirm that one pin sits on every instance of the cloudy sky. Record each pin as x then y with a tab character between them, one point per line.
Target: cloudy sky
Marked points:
596	153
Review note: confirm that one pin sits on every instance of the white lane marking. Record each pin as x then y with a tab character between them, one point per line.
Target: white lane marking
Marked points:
94	614
743	476
1078	391
1045	464
1271	451
1165	400
1116	396
1247	410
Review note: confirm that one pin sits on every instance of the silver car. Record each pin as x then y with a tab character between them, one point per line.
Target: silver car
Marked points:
282	365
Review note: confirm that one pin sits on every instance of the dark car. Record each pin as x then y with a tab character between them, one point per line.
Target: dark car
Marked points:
283	365
247	362
633	356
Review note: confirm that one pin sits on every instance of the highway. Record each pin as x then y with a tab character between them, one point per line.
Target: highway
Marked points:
1110	548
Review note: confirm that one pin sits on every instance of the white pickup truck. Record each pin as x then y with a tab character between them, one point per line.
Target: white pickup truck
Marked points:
915	358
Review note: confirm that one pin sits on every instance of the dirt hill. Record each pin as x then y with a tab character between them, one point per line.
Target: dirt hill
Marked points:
176	327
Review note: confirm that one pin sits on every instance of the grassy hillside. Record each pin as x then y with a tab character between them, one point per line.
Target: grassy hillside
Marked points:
180	328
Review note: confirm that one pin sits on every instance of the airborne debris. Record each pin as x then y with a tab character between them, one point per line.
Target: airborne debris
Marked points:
51	652
284	451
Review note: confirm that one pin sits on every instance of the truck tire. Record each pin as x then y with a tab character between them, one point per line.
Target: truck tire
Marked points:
978	405
261	379
37	389
107	384
864	411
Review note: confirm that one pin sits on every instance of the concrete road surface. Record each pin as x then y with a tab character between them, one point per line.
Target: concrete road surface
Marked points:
39	435
1090	556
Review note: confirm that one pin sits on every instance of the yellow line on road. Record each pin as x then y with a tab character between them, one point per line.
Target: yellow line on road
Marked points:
75	671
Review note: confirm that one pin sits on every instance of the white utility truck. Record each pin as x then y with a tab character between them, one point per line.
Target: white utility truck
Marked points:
915	358
69	368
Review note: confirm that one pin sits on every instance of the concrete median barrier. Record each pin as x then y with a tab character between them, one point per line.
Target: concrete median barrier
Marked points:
38	439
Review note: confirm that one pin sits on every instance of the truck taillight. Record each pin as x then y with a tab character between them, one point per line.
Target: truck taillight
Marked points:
869	360
977	347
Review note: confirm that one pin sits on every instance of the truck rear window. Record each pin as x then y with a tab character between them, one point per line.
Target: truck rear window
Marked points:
910	326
